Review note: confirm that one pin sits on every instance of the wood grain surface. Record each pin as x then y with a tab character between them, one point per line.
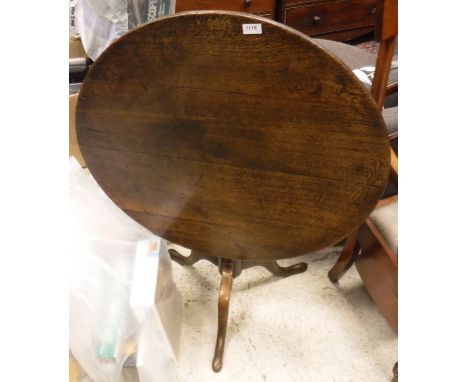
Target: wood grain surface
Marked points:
238	146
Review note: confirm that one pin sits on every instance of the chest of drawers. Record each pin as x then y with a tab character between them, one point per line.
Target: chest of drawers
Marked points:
264	8
339	20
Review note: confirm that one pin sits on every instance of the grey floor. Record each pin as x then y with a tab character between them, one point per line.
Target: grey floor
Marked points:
301	328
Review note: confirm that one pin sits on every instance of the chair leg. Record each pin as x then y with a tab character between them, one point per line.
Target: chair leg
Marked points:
346	259
227	269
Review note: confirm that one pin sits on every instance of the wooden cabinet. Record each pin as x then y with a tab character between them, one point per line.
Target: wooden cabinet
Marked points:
339	20
265	8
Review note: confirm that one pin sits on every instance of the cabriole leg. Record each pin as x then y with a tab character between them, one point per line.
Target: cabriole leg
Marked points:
223	311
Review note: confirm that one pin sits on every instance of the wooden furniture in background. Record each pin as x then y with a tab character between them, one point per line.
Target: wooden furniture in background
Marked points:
386	33
373	248
264	8
211	139
339	20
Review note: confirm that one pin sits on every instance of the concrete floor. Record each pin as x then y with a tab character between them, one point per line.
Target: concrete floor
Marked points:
301	328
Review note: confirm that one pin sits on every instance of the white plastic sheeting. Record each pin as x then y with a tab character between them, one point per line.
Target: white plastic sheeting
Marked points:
124	307
100	22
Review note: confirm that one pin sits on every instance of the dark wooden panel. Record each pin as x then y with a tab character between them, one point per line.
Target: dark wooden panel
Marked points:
301	2
315	19
249	6
219	142
267	15
346	35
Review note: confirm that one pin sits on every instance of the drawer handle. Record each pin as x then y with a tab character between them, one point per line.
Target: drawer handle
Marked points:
373	11
316	19
247	3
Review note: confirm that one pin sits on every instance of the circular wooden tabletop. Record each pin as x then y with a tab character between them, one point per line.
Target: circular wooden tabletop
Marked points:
243	146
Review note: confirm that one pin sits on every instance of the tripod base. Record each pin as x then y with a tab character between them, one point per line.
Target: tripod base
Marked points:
229	269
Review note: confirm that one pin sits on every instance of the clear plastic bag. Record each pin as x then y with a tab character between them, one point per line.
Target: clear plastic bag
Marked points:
125	310
99	22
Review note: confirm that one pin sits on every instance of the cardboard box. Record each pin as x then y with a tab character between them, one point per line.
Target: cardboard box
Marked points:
75	48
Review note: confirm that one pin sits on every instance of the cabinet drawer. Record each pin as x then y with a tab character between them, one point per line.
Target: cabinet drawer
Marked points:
318	18
249	6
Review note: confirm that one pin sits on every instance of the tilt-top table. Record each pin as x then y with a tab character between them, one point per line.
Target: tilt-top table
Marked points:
234	136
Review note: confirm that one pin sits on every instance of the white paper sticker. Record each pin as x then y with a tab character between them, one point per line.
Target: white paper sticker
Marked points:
252	28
